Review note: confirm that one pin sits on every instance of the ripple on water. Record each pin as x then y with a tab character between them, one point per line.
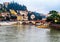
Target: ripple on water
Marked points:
28	33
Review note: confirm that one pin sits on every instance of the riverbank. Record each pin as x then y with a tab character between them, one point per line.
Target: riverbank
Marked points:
55	26
7	23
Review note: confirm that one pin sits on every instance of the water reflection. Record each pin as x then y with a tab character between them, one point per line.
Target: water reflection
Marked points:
54	35
28	33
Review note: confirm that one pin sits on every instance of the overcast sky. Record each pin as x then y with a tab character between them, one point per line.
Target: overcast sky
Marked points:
41	6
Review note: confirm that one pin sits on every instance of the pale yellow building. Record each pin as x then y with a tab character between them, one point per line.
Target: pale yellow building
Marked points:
24	12
19	18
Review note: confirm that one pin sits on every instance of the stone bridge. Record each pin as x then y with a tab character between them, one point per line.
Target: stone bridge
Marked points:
33	22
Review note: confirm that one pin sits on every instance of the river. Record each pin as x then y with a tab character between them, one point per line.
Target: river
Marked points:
28	33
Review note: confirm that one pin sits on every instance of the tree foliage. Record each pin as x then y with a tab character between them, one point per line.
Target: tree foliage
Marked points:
16	6
37	16
54	16
53	12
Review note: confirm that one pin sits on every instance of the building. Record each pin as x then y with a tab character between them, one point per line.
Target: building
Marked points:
0	6
19	18
32	16
24	15
4	13
6	4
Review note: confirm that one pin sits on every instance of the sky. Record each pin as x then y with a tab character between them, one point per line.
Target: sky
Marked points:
41	6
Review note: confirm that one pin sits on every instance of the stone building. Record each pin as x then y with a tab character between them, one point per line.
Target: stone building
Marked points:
24	15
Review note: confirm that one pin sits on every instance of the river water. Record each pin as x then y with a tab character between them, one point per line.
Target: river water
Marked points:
28	33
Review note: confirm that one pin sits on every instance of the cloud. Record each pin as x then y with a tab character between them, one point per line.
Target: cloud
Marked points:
42	6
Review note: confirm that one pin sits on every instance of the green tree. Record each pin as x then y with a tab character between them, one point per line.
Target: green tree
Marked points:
37	16
16	6
53	12
55	18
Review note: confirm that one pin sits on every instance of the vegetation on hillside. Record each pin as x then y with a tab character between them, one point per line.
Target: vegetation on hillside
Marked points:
37	16
54	18
17	7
